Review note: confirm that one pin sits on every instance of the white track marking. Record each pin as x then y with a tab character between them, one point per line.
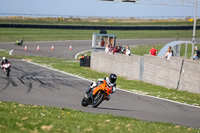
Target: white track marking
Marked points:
11	51
117	88
81	53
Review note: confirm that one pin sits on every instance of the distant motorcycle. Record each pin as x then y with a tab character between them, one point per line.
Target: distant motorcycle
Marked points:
6	68
97	95
19	43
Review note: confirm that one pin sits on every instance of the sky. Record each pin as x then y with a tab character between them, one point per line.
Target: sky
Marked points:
92	8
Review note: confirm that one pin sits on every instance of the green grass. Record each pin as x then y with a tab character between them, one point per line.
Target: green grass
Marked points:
20	118
78	22
13	34
131	85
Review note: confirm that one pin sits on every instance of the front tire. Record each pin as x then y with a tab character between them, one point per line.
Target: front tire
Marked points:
84	102
8	72
98	98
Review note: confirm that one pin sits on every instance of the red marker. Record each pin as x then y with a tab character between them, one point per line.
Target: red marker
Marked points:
38	48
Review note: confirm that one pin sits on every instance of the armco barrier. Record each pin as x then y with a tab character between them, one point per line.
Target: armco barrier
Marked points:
175	73
190	76
83	27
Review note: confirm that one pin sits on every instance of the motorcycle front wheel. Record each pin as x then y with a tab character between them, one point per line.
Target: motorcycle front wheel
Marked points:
98	98
8	72
84	102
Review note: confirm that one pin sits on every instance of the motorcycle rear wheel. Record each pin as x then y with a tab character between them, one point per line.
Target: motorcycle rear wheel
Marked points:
97	99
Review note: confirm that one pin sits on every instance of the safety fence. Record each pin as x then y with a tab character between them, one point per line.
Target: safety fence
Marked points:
79	27
176	73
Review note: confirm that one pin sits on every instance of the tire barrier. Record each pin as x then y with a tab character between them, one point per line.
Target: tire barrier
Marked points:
81	27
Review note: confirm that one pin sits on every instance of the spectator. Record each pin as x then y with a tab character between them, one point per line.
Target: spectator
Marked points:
111	48
107	48
115	50
153	51
122	50
169	53
197	54
119	49
128	51
102	43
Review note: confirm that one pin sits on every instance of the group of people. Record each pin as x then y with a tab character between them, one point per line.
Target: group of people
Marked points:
169	53
118	49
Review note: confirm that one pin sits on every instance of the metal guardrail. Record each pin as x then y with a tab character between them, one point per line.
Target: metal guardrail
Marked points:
79	27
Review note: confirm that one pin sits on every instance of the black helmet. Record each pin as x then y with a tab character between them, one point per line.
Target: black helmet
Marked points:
112	78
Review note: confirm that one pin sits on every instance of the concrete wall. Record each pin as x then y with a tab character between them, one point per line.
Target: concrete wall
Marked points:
190	77
161	71
175	73
122	65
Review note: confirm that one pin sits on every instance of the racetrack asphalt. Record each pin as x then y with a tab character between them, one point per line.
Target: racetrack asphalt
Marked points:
32	84
36	85
61	48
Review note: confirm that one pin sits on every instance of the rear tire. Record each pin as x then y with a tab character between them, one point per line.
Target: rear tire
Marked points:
97	99
84	103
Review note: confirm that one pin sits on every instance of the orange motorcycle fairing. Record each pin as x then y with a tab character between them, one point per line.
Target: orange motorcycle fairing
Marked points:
102	87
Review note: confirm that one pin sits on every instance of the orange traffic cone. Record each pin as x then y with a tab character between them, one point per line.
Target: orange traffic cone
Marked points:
52	47
38	48
25	48
70	47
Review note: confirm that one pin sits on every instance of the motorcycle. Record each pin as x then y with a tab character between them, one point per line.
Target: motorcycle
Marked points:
97	95
6	68
19	43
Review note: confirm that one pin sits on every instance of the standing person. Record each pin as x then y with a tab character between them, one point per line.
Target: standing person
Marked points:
111	48
197	54
115	50
128	51
123	50
102	43
107	48
169	53
153	51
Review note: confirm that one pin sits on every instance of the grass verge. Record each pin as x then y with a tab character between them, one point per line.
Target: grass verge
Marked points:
13	34
20	118
105	23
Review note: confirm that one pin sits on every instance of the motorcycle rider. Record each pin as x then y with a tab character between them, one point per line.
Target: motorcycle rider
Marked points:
4	61
110	81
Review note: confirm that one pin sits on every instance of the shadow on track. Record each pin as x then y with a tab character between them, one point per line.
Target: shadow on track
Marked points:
103	108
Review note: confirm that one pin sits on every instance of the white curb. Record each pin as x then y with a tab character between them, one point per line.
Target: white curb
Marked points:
81	53
11	51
